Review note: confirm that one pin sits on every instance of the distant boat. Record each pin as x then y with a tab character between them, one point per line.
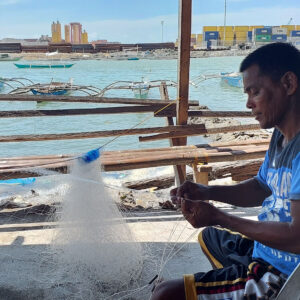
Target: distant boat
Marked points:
232	79
132	58
43	66
6	57
57	93
54	88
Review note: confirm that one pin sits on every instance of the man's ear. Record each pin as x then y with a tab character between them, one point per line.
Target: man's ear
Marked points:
290	82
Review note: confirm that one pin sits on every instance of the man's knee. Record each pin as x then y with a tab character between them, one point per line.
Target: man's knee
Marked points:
169	290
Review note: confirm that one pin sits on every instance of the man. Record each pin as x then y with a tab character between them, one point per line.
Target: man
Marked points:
252	259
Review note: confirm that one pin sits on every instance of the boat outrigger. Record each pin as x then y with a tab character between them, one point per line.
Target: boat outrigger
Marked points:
140	89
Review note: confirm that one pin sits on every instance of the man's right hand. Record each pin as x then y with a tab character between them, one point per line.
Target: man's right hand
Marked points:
189	190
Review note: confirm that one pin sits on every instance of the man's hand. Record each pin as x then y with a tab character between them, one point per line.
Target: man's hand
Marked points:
189	190
199	213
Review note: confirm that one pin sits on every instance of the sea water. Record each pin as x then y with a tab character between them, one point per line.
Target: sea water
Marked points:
100	73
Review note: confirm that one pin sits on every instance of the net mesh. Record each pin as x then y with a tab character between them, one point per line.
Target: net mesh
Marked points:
62	236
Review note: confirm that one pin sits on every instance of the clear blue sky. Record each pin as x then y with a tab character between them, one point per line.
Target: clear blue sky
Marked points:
130	21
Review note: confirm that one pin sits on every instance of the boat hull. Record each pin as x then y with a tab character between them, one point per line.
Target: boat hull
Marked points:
57	93
32	66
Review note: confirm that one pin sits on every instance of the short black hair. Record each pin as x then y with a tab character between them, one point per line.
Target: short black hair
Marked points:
274	60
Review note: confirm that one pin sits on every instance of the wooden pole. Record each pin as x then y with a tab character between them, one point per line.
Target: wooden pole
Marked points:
184	39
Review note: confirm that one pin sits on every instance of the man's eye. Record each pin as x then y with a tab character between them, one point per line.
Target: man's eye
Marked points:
255	92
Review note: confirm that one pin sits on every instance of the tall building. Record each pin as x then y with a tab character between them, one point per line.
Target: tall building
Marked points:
56	32
67	34
76	30
84	38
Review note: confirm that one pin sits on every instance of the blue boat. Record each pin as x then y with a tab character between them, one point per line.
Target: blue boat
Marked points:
57	93
232	79
132	58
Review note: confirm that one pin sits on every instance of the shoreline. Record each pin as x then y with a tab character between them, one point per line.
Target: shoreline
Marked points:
152	55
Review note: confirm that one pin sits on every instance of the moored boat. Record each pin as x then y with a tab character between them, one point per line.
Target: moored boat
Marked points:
43	66
232	79
6	57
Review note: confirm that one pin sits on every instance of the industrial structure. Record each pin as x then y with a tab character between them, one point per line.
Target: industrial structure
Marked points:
216	36
56	32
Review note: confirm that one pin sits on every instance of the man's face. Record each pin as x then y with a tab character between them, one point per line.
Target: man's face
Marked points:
267	99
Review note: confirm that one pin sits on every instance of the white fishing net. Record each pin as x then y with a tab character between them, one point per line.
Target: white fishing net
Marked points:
62	236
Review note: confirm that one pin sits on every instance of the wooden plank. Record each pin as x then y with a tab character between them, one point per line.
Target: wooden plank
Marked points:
209	114
184	158
96	134
126	160
195	132
83	111
86	99
246	168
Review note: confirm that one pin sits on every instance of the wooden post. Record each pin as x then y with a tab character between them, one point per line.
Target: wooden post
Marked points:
201	173
163	89
184	44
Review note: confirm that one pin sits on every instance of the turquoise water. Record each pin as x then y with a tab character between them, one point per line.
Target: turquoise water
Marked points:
101	73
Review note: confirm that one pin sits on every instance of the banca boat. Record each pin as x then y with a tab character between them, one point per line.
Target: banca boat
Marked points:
44	66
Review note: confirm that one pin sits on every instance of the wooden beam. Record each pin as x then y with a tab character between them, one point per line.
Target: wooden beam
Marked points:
194	132
84	111
96	134
185	24
209	114
86	99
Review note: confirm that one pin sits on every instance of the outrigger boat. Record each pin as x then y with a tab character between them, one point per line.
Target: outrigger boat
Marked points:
140	89
20	86
233	79
43	66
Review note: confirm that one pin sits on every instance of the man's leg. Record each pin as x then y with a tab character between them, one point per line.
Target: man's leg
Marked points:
223	283
171	289
224	248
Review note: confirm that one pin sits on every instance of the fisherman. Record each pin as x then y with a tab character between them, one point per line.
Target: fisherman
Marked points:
252	259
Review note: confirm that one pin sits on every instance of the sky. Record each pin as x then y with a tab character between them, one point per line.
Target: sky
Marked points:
131	21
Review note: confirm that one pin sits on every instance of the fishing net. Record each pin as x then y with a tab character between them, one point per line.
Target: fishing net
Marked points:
62	236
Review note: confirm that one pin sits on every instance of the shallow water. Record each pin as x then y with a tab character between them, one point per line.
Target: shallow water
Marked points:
100	73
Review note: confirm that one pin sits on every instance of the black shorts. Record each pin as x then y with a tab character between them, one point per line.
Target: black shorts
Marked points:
236	275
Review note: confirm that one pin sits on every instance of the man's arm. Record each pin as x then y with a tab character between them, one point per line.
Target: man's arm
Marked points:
281	236
248	193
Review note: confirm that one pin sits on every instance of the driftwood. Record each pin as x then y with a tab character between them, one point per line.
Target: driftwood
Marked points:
240	170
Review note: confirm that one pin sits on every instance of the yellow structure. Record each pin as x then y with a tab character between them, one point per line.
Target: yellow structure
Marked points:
67	34
76	30
210	28
84	38
56	32
241	28
199	39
